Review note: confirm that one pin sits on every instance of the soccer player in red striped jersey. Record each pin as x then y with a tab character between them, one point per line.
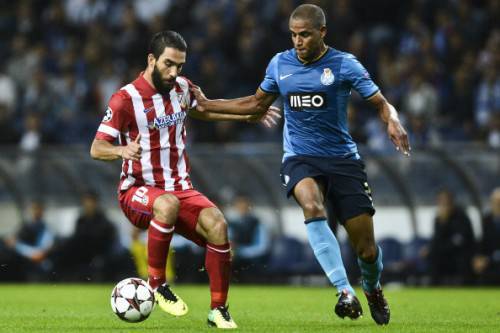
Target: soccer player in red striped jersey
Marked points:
155	191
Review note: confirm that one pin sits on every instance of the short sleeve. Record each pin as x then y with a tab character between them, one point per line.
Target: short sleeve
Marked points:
116	117
270	82
358	77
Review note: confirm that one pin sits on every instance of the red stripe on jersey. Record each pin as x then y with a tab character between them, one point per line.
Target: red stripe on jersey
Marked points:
174	154
136	165
154	144
133	131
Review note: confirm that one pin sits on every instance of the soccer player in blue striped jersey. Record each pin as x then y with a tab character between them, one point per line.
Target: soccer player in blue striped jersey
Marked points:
321	163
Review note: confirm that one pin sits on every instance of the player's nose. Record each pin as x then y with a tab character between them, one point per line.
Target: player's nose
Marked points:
173	72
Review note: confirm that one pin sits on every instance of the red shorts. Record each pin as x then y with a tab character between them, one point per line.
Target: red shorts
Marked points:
137	204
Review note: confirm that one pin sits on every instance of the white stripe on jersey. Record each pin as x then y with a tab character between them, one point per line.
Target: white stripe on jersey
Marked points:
108	130
183	174
130	180
142	125
180	143
181	164
164	144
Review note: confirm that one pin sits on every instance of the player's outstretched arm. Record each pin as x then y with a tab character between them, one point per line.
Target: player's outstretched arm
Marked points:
105	151
269	118
214	116
389	115
258	103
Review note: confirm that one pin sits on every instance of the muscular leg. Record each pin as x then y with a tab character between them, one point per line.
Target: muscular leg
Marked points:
309	195
160	231
212	227
360	231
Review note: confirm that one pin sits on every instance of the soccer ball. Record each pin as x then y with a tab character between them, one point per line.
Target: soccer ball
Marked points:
132	300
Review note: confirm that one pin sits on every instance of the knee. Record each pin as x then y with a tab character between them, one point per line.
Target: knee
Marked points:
216	229
313	209
367	251
166	208
219	228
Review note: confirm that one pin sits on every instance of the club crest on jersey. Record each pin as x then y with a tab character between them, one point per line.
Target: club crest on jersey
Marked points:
108	115
327	77
167	120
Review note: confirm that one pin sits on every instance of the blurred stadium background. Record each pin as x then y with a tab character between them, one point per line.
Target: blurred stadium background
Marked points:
438	62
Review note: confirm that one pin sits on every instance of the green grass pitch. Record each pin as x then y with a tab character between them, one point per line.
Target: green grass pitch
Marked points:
85	308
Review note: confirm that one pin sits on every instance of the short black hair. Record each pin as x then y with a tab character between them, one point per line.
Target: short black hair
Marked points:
311	13
167	38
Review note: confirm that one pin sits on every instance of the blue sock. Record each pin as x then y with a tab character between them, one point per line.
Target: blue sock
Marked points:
327	251
370	272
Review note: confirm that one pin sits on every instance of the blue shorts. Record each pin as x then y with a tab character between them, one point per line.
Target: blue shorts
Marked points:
346	187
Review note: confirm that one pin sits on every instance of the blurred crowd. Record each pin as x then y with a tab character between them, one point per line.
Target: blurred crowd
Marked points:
453	255
92	252
60	61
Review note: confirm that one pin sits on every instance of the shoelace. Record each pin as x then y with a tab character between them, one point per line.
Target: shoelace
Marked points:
377	298
167	293
224	312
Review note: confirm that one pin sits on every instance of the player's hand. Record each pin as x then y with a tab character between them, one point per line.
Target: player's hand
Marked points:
38	256
269	118
133	150
10	242
200	98
480	263
398	136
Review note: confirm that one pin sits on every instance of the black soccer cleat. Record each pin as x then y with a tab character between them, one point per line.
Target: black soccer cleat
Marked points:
378	307
348	306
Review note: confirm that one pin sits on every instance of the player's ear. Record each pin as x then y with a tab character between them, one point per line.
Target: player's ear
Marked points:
322	31
151	60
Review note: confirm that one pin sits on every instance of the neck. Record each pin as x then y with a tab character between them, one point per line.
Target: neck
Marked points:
148	76
322	50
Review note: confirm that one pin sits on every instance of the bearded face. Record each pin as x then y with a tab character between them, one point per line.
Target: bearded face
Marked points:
166	68
162	84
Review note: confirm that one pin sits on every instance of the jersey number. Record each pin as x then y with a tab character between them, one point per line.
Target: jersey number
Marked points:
140	195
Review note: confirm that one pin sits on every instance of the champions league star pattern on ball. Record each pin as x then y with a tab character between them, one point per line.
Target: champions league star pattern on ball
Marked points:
132	300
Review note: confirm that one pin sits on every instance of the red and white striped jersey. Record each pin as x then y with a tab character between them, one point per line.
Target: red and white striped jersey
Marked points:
139	108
